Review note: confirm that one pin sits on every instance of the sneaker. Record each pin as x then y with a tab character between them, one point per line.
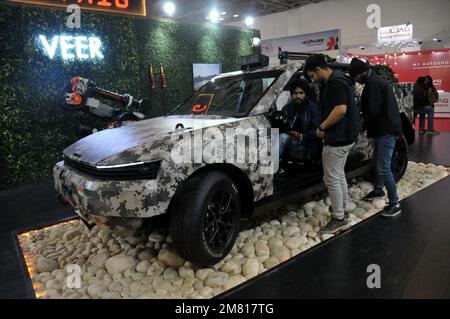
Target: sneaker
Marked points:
346	214
391	211
335	226
374	195
421	132
433	132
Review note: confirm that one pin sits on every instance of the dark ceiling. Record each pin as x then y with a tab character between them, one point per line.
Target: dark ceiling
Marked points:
196	11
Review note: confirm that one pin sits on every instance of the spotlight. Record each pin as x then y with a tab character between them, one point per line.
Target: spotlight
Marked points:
256	42
169	8
249	21
236	16
223	13
214	16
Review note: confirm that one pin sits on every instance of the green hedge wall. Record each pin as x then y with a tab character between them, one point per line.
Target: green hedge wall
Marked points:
33	129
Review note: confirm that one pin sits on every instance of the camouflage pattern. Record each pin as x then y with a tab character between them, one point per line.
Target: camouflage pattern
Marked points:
144	198
404	94
121	204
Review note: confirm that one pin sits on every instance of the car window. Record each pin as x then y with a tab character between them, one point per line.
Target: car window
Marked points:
234	95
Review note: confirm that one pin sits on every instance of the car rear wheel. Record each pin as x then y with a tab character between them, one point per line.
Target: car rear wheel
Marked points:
204	218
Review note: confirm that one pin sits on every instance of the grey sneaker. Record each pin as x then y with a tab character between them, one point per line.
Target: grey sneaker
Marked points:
335	226
391	211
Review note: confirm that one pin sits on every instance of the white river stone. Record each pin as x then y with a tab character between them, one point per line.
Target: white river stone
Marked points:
120	263
250	268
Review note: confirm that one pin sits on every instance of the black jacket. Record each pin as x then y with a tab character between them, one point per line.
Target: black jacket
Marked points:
306	116
346	131
305	119
380	108
420	98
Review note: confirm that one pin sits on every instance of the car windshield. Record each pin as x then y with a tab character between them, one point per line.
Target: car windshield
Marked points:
234	95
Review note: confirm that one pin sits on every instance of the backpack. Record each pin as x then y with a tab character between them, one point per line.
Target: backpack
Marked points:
433	96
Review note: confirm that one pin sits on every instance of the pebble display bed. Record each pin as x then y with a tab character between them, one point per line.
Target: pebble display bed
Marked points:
148	267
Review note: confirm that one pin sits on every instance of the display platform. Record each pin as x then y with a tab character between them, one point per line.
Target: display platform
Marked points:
282	279
147	266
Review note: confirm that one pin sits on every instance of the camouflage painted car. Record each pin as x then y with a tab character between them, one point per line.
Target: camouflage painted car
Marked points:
124	177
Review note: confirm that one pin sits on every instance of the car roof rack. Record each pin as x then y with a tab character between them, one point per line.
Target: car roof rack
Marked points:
284	56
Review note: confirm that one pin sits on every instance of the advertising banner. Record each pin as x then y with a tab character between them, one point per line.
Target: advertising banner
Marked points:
313	42
395	34
411	65
129	7
442	108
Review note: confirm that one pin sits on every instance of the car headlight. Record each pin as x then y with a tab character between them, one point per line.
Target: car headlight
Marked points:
132	171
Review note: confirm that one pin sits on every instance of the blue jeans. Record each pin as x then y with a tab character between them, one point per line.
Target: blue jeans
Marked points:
294	147
384	148
429	111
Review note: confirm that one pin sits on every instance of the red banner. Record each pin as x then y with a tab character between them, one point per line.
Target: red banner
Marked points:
408	66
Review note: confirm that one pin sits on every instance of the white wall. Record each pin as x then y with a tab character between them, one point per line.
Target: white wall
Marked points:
430	18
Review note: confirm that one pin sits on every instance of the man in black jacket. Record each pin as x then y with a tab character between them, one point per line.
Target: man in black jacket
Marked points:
383	124
339	129
300	142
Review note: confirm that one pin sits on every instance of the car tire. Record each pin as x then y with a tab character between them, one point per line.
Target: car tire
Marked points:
400	158
204	218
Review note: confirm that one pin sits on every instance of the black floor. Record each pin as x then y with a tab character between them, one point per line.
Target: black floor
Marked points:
413	250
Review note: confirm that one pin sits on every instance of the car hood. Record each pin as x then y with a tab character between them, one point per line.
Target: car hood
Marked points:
123	145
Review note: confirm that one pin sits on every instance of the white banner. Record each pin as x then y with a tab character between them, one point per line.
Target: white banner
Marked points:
441	107
314	42
395	34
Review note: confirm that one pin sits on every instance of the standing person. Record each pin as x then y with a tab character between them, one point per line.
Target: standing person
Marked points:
339	130
383	124
432	96
419	103
300	142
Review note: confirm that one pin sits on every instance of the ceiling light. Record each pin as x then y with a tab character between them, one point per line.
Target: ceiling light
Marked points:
223	13
221	19
214	16
236	16
169	8
249	21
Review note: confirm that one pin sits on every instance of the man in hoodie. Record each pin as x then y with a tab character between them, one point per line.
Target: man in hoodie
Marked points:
383	124
301	143
339	130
